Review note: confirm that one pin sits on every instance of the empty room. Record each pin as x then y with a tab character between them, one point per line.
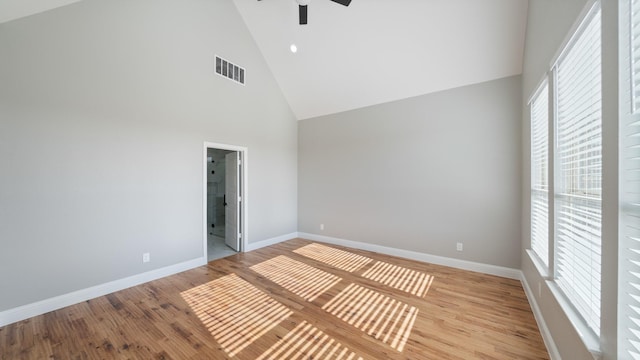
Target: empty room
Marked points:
324	179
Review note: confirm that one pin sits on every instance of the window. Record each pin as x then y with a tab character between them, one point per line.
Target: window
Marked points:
629	262
579	170
540	174
571	101
633	33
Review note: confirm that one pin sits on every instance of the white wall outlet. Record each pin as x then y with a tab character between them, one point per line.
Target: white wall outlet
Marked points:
321	226
539	289
146	257
459	246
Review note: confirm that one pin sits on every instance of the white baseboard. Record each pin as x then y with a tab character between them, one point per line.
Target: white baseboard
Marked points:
413	255
38	308
542	325
272	241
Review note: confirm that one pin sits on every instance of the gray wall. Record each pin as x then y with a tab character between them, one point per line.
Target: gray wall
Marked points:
104	109
548	25
407	174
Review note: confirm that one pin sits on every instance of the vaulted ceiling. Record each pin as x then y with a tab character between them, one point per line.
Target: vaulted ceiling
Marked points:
376	51
15	9
373	51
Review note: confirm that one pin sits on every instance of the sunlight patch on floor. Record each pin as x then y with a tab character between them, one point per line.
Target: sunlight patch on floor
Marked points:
398	277
307	342
234	311
343	260
379	316
299	278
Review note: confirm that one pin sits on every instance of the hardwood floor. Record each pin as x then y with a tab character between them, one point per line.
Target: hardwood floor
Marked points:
296	299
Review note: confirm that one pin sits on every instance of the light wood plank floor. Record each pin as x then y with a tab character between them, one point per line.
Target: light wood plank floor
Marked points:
296	299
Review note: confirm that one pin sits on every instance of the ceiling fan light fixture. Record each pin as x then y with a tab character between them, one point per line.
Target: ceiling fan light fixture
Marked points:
303	8
303	14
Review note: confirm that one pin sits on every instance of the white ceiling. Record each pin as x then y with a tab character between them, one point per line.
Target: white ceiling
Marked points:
376	51
373	51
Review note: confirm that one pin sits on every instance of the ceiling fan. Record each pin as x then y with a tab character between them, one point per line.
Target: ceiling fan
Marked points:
303	6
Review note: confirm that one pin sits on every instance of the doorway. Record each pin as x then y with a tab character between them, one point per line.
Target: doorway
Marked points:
224	200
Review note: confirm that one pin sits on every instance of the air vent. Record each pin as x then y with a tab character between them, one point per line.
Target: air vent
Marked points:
230	71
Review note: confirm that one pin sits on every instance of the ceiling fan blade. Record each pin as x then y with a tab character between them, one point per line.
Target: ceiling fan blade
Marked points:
302	9
342	2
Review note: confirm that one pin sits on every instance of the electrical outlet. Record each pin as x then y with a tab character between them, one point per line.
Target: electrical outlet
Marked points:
321	226
539	289
146	257
459	246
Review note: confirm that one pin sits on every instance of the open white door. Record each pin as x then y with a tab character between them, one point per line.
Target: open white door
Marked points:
232	200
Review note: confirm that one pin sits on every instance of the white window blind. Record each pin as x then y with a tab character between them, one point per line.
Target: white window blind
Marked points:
634	36
629	299
540	174
578	155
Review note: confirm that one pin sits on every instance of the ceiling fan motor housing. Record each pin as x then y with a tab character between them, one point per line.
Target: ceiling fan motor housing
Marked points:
303	8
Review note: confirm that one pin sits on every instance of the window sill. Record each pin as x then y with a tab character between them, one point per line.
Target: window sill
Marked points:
543	270
589	339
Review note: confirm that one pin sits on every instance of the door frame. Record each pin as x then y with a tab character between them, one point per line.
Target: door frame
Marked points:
244	177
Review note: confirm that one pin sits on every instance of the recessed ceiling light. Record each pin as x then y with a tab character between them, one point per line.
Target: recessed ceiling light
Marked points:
294	48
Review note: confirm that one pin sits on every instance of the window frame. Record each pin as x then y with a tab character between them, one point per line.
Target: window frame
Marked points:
587	335
542	93
628	208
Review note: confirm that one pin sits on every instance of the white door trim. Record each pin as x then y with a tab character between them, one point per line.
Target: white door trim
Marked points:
233	205
244	184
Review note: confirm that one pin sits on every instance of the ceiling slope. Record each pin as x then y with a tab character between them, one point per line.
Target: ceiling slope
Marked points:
376	51
373	51
14	9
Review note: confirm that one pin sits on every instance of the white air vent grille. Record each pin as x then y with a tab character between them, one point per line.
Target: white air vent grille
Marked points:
230	71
